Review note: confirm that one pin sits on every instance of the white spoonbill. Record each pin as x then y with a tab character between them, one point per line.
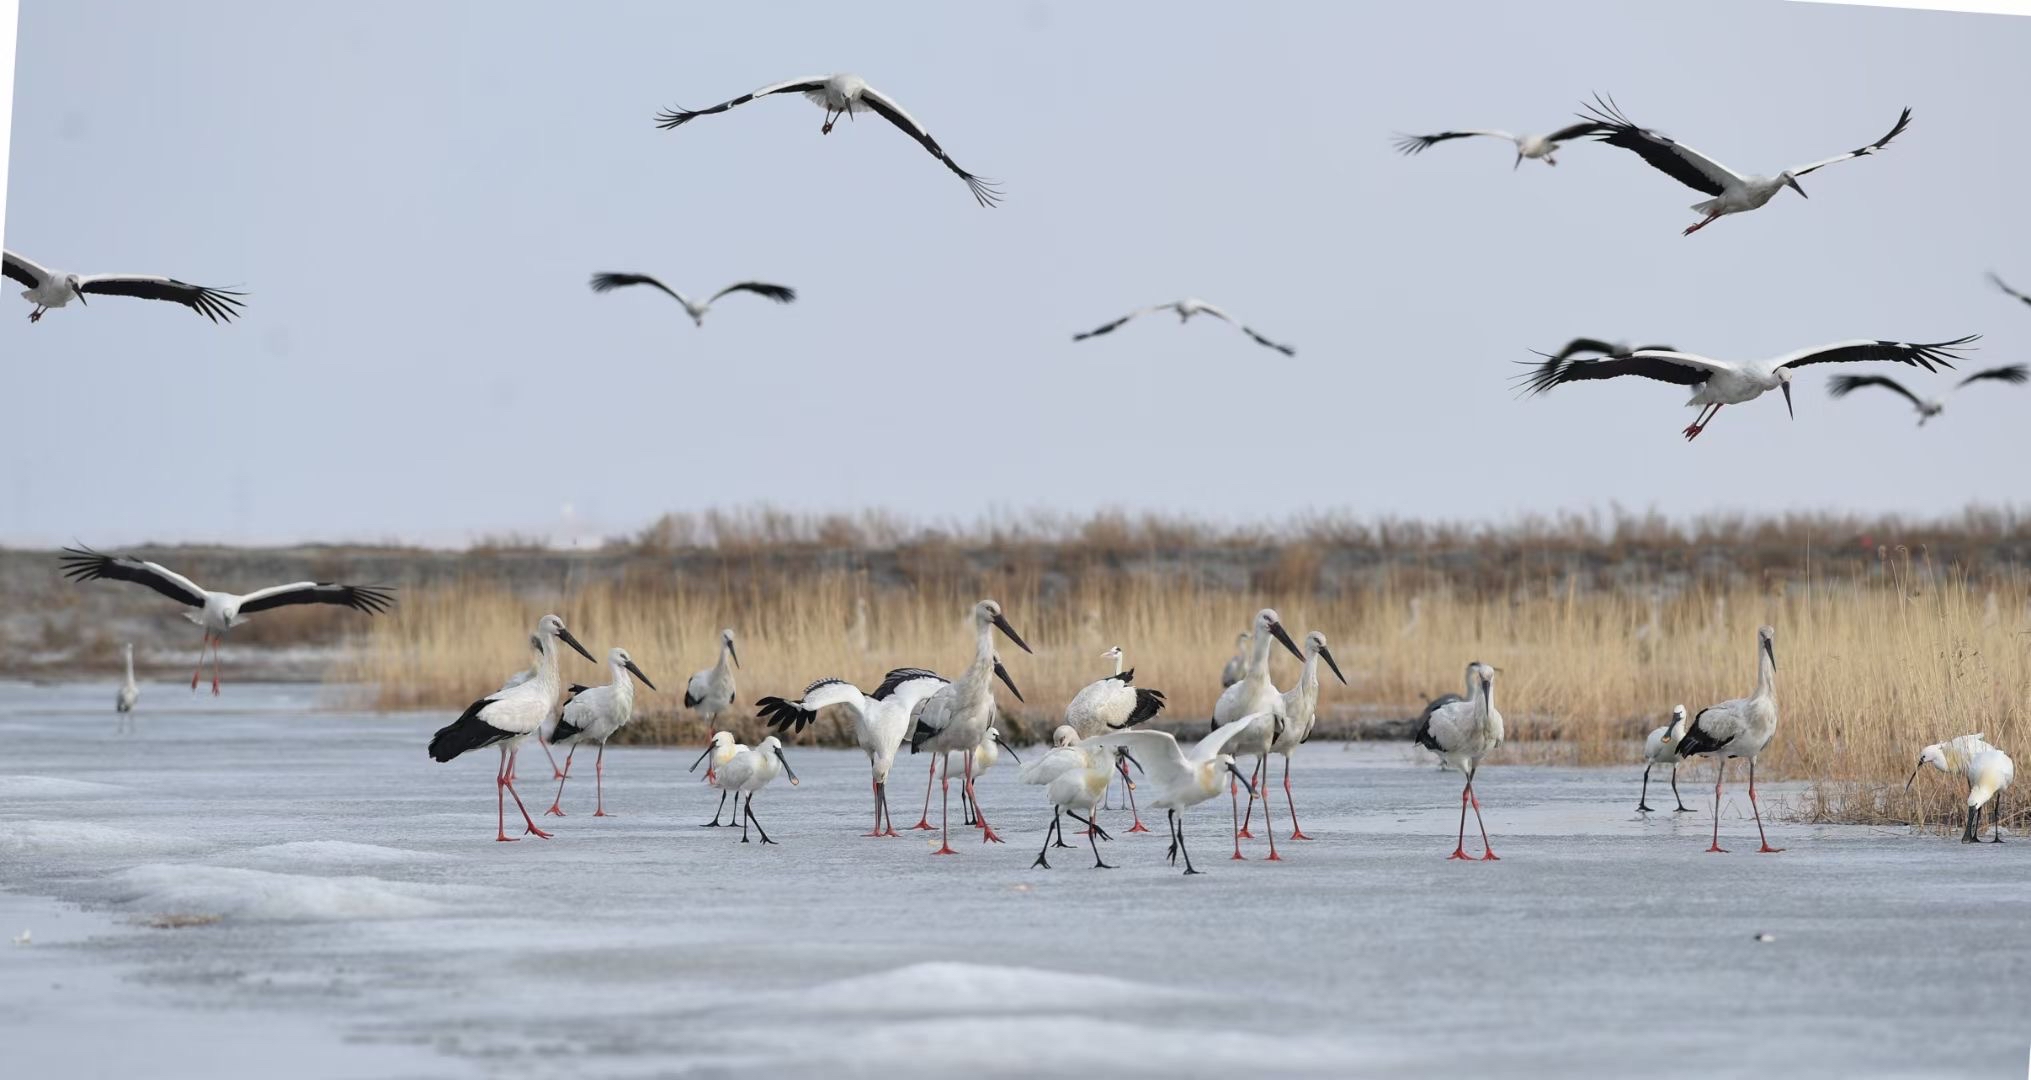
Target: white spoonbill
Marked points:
1951	757
719	750
1716	383
218	612
845	95
1732	192
1181	780
1739	729
880	721
1075	778
1301	713
1989	774
751	771
1660	747
985	756
49	289
955	717
607	282
1534	147
592	714
1842	385
1187	308
507	717
710	691
1462	733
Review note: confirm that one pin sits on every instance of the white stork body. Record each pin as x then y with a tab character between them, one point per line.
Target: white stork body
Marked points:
710	692
1843	385
218	612
1462	732
1181	780
1187	308
130	691
1732	192
1739	729
1715	383
506	717
49	289
1301	713
1528	147
593	714
1113	703
749	772
880	721
1660	747
845	95
719	750
607	282
955	717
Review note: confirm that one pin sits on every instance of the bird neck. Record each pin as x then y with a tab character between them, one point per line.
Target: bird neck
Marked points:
1117	663
130	663
1766	673
1485	698
1258	653
1308	678
725	663
624	687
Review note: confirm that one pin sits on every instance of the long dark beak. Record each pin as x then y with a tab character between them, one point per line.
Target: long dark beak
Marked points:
701	758
80	294
787	770
1787	402
733	652
1795	187
1327	655
1276	630
1770	649
637	672
564	636
1002	674
1130	758
1914	774
1514	165
1003	743
1243	779
1001	624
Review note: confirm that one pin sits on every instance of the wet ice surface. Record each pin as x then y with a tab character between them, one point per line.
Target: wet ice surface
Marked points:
346	912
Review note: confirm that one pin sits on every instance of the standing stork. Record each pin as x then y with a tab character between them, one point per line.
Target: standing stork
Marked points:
49	289
1660	747
1716	383
1843	385
1187	308
880	720
1534	147
218	612
1733	193
607	282
845	95
1739	729
1301	712
1255	696
506	717
955	717
1462	733
593	714
130	691
710	691
1237	665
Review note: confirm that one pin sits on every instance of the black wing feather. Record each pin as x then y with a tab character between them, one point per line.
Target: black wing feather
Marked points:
2014	375
1148	703
1917	354
468	732
781	294
18	271
371	599
1567	134
84	564
786	716
1699	740
1903	121
1843	385
1418	144
218	305
985	192
1654	147
1554	372
900	676
670	119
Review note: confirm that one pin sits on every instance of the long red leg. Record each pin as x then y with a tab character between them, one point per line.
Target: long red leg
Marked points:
1128	785
1710	219
1297	833
216	642
555	807
1759	813
598	781
198	671
874	786
1268	829
518	799
500	801
1249	814
1460	848
1487	852
1234	809
944	811
987	833
924	822
1720	768
555	772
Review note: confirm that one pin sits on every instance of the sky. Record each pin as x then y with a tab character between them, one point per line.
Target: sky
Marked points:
414	196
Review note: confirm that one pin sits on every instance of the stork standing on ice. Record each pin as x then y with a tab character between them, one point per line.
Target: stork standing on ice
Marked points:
1462	733
49	289
880	720
593	714
1182	780
1111	704
1716	383
218	612
130	691
1534	147
1843	385
506	717
845	95
1187	308
955	717
1739	729
749	772
1660	747
1255	696
1732	192
607	282
1301	713
710	692
719	750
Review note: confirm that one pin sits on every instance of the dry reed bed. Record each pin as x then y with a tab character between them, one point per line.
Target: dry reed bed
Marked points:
1869	668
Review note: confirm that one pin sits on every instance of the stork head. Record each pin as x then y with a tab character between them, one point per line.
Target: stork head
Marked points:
1791	182
619	659
988	613
1315	645
552	626
1784	377
1267	622
1766	640
726	642
72	281
1001	673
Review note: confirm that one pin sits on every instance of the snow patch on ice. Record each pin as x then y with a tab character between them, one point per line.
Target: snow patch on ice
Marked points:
84	838
313	853
51	787
1072	1043
950	987
262	895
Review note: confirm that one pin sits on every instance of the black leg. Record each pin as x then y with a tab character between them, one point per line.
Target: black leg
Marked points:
716	812
743	819
1172	853
1996	819
1183	850
750	814
1643	799
1093	837
1682	807
1041	861
1967	833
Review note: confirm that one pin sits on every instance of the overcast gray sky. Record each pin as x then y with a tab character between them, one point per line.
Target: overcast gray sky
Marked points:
415	194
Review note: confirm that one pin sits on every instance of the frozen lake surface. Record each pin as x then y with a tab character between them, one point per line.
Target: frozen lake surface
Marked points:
253	886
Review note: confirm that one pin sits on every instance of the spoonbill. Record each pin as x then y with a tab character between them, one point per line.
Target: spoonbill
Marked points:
749	772
845	95
49	289
1951	757
1187	308
710	691
593	715
1182	780
1732	192
985	756
955	717
1716	383
1301	713
1989	774
1534	147
607	282
719	750
1462	733
1075	778
1660	747
218	612
1739	729
506	717
1843	385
